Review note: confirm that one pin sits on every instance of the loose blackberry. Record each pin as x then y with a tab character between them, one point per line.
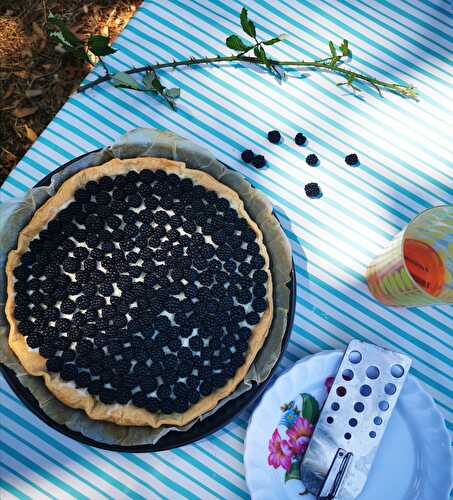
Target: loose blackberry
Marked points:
311	160
312	190
259	161
300	139
352	159
274	136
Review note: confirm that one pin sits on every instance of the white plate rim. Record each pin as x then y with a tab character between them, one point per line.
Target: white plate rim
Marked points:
436	418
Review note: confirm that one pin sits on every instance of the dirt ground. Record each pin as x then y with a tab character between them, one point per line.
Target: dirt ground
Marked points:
35	78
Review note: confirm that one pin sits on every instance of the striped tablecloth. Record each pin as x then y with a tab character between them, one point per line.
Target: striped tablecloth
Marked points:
405	152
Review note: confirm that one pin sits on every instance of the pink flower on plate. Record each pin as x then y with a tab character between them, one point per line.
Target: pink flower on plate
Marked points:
280	453
328	383
299	435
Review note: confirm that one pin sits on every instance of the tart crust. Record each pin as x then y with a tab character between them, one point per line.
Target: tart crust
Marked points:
67	392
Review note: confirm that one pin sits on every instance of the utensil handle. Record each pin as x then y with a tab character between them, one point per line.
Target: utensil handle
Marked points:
336	475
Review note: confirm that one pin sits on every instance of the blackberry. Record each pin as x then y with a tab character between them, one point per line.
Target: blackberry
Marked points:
90	207
108	312
151	202
71	265
139	399
207	251
246	282
92	240
245	268
218	380
54	364
68	372
123	396
97	276
237	313
145	190
300	139
82	195
351	159
97	253
239	254
135	271
134	200
21	312
68	356
107	396
252	318
241	346
130	245
185	354
94	387
80	235
195	343
163	392
170	362
106	289
161	217
106	183
206	388
82	379
82	276
226	303
244	297
259	291
274	136
224	252
147	176
257	262
259	161
311	160
259	305
118	206
312	190
152	405
260	276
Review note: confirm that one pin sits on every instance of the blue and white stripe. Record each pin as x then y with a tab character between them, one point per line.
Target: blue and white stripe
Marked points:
405	151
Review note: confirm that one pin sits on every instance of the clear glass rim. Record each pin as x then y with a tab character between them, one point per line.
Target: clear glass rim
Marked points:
433	299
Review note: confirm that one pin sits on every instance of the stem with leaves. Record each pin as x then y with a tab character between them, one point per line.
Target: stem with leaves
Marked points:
98	46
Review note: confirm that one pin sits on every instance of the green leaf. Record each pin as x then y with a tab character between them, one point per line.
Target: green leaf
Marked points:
310	408
234	42
68	37
272	41
294	472
332	48
247	25
344	47
122	79
152	82
99	45
172	93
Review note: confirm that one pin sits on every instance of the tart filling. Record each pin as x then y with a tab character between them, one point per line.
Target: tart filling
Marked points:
141	292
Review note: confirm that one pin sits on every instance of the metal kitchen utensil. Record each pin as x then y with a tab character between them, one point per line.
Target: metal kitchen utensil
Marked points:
353	420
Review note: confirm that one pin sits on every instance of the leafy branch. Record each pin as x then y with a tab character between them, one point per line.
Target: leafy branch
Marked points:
252	50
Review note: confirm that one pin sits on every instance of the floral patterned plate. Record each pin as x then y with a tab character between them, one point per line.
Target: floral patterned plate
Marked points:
414	461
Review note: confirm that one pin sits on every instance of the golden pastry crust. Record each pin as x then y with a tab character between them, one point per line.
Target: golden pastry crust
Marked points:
67	392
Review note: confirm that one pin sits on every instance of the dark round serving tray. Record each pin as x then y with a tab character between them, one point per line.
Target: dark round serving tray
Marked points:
173	439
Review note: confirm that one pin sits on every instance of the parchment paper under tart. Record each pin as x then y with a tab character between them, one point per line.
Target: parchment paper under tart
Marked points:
163	144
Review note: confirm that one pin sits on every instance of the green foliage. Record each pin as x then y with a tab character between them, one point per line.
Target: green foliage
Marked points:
344	47
99	45
124	80
310	408
95	46
234	42
294	472
152	83
247	25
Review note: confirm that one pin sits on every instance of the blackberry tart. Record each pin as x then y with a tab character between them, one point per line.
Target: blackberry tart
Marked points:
140	292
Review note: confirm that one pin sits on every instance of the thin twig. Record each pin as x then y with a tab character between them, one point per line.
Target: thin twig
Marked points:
323	64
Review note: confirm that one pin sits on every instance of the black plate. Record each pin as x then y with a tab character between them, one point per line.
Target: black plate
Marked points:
173	439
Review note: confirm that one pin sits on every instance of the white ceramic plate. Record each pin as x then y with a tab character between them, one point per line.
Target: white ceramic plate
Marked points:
414	461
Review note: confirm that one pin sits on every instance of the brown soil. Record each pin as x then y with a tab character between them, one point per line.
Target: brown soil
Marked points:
36	78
